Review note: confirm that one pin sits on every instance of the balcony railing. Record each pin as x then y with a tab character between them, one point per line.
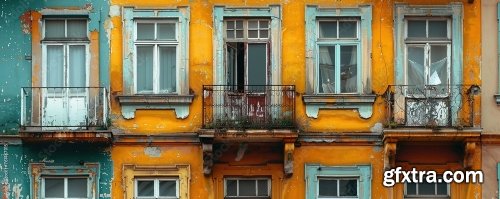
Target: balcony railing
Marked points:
431	106
64	108
249	107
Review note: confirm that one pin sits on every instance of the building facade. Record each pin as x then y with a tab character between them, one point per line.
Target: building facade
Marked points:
245	99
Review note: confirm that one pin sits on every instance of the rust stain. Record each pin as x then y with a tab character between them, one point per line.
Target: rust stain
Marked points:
25	19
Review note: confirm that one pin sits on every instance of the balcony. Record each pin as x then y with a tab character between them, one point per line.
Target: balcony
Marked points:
441	106
59	109
249	107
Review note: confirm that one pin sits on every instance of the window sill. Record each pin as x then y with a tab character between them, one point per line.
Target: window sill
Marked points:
362	102
179	103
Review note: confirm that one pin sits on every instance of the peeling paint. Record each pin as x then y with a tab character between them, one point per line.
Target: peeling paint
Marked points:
25	20
377	128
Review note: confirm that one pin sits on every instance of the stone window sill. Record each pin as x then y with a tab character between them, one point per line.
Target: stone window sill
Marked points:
179	103
362	102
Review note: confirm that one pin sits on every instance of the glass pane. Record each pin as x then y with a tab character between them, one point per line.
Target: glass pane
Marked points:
439	65
239	25
231	188
411	189
230	34
145	188
77	28
168	188
438	29
77	187
253	24
257	61
348	187
168	69
348	69
348	29
54	187
442	189
247	188
327	188
327	29
145	31
426	189
264	24
263	188
253	34
326	69
416	65
166	31
55	66
229	25
77	67
144	68
416	28
239	34
264	33
54	28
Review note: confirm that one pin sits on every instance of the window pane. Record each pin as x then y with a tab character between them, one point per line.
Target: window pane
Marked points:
411	189
253	34
55	66
442	189
327	29
230	34
54	187
168	188
145	188
145	31
348	29
77	28
253	24
229	25
264	33
77	187
77	67
166	31
327	187
438	29
426	189
263	188
54	28
348	187
416	28
167	69
264	24
144	68
239	24
257	61
348	69
416	65
439	65
239	34
247	188
326	69
231	188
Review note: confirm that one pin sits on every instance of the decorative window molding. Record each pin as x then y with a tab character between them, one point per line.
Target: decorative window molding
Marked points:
133	172
315	171
454	11
360	96
39	170
178	100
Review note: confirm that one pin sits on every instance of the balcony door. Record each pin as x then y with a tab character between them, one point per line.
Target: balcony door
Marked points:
65	85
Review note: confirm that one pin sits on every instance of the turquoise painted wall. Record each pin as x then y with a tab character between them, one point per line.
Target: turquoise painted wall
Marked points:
15	50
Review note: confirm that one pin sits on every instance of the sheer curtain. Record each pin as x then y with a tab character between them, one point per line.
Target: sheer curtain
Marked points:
167	69
76	67
350	70
327	69
55	66
144	68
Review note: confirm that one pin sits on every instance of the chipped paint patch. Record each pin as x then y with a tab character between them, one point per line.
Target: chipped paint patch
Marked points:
114	11
16	191
377	128
25	20
154	152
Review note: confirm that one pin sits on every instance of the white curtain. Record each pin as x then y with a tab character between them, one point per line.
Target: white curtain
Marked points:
76	67
327	69
350	70
144	68
55	66
167	69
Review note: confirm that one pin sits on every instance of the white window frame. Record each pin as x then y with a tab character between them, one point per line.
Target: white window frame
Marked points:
338	185
157	43
269	186
337	43
66	26
427	196
65	186
426	42
156	188
247	28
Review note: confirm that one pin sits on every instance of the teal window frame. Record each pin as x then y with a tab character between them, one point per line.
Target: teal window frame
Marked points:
316	171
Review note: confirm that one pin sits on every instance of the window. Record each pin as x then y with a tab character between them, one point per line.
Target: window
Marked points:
65	187
338	55
247	47
337	187
427	190
247	188
156	57
156	188
428	51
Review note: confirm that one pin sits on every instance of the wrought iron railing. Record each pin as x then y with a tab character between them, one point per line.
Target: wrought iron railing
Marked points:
59	108
432	106
248	107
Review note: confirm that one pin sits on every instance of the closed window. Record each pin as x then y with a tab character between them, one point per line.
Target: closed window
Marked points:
337	187
427	190
158	188
156	57
338	55
247	188
65	187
